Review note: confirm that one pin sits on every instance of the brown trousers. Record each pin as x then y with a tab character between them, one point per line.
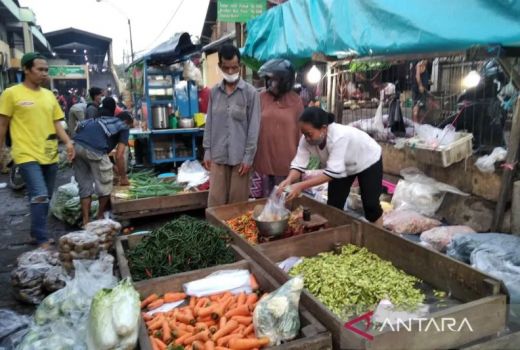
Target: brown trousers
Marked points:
227	186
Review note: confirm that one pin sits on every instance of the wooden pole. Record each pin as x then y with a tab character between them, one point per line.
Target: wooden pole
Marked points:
509	170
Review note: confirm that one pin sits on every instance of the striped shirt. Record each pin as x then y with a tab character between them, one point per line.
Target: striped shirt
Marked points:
348	151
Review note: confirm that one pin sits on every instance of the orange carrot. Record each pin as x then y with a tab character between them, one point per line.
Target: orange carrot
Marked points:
172	297
160	344
190	329
253	282
147	317
245	320
197	345
166	332
186	318
228	328
193	302
155	304
202	336
239	329
225	340
209	323
156	324
209	345
223	321
241	298
182	338
242	310
249	329
154	345
221	348
251	299
200	326
148	300
213	329
208	311
247	344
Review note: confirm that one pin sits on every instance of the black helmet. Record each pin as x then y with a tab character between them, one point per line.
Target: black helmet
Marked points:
281	69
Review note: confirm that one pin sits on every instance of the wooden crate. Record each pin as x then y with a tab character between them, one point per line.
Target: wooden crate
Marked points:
484	299
219	215
124	209
313	336
123	243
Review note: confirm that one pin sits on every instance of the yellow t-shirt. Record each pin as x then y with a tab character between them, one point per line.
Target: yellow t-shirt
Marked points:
32	114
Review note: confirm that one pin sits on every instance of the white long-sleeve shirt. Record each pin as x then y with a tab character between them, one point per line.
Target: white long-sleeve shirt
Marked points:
348	151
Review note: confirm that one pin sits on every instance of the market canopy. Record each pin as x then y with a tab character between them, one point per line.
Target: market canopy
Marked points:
340	28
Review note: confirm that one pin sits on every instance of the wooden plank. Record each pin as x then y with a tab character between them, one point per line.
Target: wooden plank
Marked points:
506	342
121	206
507	175
319	340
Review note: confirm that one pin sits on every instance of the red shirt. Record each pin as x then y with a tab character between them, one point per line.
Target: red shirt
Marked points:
204	94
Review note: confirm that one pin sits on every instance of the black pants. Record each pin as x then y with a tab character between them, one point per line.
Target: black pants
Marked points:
370	183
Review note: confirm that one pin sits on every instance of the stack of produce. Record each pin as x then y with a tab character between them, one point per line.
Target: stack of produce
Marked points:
65	204
184	244
355	280
77	245
36	274
145	185
245	225
105	230
220	320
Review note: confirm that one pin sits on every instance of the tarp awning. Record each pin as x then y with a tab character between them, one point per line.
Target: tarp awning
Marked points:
340	28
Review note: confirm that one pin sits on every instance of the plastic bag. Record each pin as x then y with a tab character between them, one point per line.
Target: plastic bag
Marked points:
13	327
65	203
234	281
275	209
77	245
276	316
55	279
408	222
435	137
106	230
420	193
396	121
439	237
192	173
60	321
486	164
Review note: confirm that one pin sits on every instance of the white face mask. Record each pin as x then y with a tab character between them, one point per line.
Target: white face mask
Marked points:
230	78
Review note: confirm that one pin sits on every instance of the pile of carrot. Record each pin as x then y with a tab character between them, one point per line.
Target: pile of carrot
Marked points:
217	322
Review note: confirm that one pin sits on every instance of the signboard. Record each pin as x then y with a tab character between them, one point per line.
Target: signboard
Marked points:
239	10
67	72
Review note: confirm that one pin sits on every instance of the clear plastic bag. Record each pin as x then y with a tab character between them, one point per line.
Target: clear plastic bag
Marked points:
106	230
276	316
408	222
234	281
486	164
192	173
61	196
13	327
274	209
435	137
420	193
439	237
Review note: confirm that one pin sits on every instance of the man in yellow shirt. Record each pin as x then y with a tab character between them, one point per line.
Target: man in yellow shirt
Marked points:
33	116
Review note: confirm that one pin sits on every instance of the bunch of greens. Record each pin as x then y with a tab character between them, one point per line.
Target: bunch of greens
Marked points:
145	184
354	281
184	244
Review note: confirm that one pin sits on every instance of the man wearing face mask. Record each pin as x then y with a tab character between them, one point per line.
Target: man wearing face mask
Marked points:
279	133
231	132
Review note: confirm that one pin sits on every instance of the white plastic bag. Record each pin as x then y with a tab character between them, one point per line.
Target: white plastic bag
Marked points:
192	173
275	209
486	164
420	193
408	222
435	137
439	237
234	281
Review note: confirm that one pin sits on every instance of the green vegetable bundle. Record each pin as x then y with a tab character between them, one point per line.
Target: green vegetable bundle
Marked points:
355	281
184	244
145	184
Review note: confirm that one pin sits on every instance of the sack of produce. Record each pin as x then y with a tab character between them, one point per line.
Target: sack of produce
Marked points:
276	316
105	230
77	245
27	278
65	203
408	222
439	237
114	318
60	321
55	279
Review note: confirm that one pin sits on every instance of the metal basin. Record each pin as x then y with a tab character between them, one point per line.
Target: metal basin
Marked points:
270	228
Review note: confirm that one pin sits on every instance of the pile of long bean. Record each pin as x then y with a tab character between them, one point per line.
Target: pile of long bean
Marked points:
145	184
181	245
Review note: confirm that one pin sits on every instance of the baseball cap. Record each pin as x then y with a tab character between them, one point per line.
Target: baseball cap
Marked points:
31	56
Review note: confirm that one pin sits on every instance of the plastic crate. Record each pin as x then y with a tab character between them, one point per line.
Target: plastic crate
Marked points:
442	156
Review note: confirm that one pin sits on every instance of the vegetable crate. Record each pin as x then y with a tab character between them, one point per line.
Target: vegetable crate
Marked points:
312	335
219	216
125	209
483	298
443	156
124	243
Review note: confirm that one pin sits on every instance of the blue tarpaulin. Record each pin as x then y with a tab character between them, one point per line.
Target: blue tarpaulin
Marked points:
339	28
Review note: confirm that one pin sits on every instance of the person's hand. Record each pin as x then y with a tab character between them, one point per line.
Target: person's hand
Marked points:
123	181
282	186
71	152
296	191
207	164
244	169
